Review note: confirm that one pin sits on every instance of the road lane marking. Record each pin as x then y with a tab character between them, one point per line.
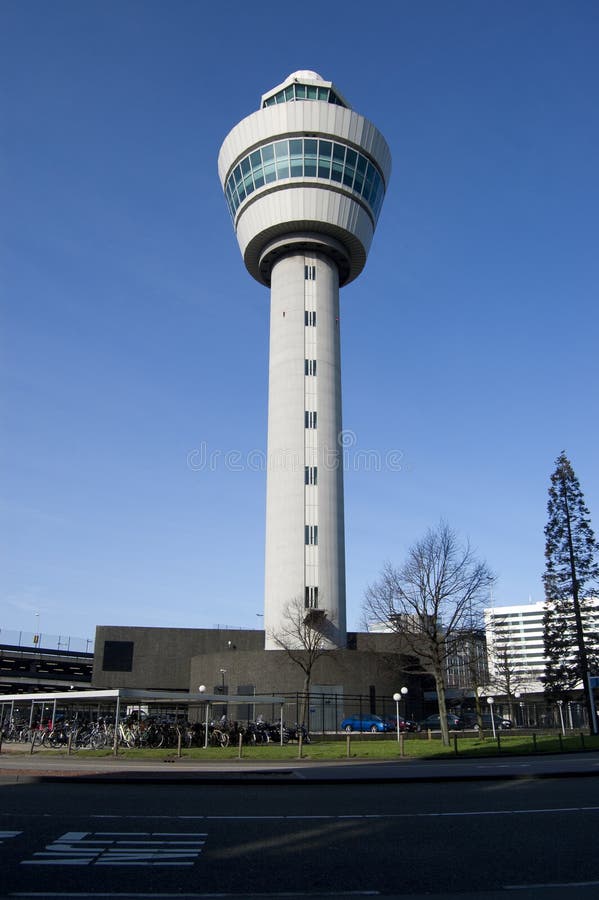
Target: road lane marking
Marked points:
308	817
5	835
207	894
549	884
120	848
415	815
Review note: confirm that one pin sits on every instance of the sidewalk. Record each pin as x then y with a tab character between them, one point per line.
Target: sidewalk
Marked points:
17	765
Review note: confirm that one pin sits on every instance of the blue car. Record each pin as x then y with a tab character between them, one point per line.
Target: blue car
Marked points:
365	722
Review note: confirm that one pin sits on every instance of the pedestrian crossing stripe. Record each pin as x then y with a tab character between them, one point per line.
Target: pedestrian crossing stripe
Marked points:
5	835
119	848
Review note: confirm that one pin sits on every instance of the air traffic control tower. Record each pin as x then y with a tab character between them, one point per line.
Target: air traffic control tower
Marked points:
304	178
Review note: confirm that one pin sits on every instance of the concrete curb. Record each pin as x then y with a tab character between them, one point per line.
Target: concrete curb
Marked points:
307	772
268	779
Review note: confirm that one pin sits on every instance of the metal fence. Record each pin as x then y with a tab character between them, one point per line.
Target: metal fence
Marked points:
321	713
543	714
42	641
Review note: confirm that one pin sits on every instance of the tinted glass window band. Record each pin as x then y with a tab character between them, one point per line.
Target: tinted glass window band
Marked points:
337	164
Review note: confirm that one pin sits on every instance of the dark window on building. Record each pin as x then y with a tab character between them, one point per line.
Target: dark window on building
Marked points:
311	534
310	273
310	317
311	474
372	693
310	367
310	419
311	599
118	656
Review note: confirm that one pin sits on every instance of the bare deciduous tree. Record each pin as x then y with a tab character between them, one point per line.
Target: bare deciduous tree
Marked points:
506	675
303	637
432	601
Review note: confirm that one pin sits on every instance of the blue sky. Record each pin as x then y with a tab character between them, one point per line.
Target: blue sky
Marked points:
133	335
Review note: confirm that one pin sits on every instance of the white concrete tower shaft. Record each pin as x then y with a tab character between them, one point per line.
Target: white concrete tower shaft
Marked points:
304	179
305	554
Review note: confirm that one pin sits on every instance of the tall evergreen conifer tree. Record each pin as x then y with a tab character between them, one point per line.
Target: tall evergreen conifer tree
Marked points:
571	578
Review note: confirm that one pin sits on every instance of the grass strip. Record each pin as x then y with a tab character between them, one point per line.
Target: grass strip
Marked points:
364	747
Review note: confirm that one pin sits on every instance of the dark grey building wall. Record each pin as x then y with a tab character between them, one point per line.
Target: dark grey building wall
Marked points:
160	657
184	658
272	671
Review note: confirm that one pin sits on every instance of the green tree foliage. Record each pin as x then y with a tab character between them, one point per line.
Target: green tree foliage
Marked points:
571	578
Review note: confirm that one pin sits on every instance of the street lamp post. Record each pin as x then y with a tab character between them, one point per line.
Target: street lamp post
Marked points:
520	698
397	698
491	701
560	706
399	695
223	672
201	689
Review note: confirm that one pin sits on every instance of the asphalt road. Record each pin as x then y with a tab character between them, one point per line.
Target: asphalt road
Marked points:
529	838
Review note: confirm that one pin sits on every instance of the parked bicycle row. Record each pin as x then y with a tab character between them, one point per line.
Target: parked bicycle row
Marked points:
151	732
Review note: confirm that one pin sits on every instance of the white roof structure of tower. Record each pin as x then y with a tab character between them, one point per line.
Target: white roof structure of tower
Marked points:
304	178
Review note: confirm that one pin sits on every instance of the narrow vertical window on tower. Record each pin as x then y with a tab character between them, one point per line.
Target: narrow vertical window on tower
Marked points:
310	367
311	475
311	597
310	317
310	273
311	534
310	418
